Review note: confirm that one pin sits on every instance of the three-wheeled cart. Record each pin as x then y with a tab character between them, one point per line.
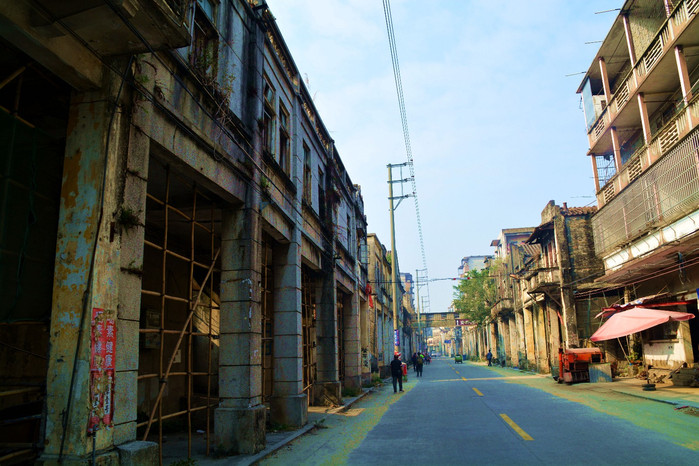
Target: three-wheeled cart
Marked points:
574	363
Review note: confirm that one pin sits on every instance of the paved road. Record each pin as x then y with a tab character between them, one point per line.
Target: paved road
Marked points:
471	414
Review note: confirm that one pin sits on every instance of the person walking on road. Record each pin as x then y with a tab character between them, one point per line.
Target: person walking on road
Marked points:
418	365
414	360
397	371
489	357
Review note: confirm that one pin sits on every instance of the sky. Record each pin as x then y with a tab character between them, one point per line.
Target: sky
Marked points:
496	127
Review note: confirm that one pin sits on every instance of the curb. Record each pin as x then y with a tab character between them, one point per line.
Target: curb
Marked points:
302	431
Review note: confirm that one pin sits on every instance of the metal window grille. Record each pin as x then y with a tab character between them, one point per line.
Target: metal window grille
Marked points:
182	239
662	194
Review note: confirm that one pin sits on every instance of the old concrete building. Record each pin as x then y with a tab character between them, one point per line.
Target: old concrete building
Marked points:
381	322
507	318
472	263
548	281
539	274
181	243
642	116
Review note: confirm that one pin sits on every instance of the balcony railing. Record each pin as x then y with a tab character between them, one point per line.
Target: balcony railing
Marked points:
503	306
663	141
665	192
544	278
681	16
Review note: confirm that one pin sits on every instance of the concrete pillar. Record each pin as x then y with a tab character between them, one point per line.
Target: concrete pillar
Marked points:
554	338
514	343
685	82
595	174
131	268
353	350
239	421
629	40
528	322
605	79
645	122
493	338
240	417
365	315
616	147
505	334
327	390
521	338
542	341
86	270
288	403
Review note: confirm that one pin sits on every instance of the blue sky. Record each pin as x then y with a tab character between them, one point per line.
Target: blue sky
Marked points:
496	127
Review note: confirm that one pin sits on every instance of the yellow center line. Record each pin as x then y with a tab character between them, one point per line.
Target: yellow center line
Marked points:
463	378
476	390
515	427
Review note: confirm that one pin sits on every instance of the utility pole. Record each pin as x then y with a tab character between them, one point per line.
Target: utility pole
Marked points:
419	323
394	256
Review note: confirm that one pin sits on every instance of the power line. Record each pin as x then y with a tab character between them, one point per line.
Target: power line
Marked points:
404	122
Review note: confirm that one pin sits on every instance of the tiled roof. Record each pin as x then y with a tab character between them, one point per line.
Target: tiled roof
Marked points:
571	211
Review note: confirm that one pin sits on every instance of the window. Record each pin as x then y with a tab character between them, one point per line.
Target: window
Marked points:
307	177
321	194
204	50
667	331
268	120
349	233
284	159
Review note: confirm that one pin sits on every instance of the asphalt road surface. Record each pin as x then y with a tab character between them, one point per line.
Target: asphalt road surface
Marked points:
473	414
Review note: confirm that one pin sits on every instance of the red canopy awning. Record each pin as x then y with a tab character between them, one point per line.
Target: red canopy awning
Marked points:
634	320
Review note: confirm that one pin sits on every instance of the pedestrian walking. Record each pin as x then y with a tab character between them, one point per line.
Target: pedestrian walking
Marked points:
489	357
419	364
414	361
397	372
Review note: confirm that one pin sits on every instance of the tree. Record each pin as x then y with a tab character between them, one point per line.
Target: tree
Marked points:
475	297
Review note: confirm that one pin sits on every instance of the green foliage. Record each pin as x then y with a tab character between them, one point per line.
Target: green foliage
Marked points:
351	392
185	462
474	298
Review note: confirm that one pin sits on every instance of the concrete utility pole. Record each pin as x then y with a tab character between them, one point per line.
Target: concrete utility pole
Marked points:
394	256
419	323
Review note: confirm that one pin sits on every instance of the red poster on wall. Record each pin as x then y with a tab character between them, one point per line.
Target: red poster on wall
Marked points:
102	354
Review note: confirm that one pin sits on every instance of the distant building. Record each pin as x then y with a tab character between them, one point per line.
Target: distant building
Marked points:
469	263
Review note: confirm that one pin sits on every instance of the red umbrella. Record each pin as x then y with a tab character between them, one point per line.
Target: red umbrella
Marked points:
634	320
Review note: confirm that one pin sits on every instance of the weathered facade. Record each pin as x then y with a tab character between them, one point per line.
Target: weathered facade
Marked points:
548	283
181	243
381	322
642	113
539	274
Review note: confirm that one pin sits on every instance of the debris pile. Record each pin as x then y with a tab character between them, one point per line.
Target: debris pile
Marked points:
685	377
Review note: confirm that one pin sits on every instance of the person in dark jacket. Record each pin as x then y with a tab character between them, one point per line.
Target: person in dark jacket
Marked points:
419	363
414	360
397	371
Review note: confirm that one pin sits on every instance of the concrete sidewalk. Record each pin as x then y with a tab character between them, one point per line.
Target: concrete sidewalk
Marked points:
664	392
631	386
277	440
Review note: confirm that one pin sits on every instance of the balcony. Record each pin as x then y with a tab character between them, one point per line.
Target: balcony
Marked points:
665	192
55	32
662	142
655	72
502	307
544	279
